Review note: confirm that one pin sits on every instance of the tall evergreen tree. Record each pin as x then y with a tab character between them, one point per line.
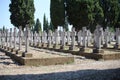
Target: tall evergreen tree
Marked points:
118	21
45	24
51	27
66	24
80	12
57	12
98	11
117	25
0	29
22	12
3	28
111	12
37	27
98	15
66	17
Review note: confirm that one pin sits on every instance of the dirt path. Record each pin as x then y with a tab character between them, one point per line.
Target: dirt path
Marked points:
85	69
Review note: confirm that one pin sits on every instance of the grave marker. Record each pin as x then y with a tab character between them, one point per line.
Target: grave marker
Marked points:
73	34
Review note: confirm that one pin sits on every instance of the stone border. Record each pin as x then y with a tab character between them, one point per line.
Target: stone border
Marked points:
101	56
29	61
96	56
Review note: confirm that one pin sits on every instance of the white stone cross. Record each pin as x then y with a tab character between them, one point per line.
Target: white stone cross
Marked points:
35	38
40	37
27	38
10	38
73	34
79	35
63	37
56	37
15	35
0	38
98	37
84	33
20	37
107	35
49	37
68	37
7	38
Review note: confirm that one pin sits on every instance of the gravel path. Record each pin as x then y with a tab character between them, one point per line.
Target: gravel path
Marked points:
82	69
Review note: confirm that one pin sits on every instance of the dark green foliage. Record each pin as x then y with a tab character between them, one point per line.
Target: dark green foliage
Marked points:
66	27
45	24
111	12
98	11
37	27
91	12
32	28
80	12
57	12
98	15
117	25
0	29
51	27
66	24
3	28
22	12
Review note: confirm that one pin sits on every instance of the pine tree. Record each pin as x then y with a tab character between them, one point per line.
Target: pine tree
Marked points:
22	12
37	27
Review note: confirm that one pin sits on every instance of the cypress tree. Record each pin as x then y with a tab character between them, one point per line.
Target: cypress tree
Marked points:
22	12
98	11
57	12
98	15
80	12
37	27
66	24
3	28
111	12
117	25
45	24
51	27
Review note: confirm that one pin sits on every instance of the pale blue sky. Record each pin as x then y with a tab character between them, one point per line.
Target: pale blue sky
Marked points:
41	6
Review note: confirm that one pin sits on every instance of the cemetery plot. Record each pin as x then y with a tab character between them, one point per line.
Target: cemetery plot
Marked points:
106	54
101	44
39	58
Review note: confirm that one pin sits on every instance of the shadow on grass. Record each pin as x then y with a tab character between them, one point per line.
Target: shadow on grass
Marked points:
108	74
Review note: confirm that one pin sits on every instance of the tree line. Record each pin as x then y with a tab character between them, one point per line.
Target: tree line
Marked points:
22	13
87	13
78	13
46	25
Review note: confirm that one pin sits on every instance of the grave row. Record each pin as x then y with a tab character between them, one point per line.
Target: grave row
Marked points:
83	38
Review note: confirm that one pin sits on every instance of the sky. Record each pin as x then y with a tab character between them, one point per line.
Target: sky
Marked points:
41	7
